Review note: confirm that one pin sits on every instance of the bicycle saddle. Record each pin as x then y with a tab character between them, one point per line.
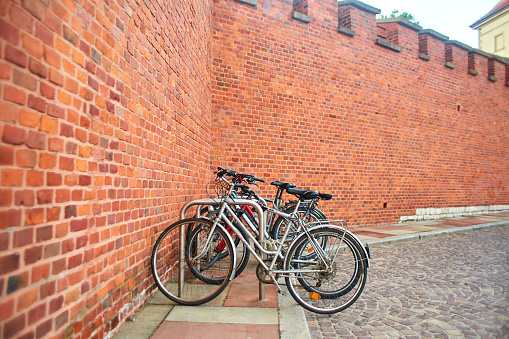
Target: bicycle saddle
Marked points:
325	196
283	185
303	194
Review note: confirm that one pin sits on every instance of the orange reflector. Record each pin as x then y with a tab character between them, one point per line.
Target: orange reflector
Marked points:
310	249
315	296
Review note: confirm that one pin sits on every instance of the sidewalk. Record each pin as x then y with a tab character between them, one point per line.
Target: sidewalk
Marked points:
237	312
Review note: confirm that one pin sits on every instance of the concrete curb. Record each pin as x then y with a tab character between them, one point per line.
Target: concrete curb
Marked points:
420	235
292	320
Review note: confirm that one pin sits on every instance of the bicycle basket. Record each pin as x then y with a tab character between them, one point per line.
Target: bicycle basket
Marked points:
217	190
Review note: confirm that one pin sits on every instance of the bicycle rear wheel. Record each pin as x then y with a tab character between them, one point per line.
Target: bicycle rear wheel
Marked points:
176	263
326	283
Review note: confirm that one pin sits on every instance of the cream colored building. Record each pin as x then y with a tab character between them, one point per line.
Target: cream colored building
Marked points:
494	30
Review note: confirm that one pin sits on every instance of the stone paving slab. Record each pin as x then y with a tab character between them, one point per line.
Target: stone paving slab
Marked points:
190	330
229	315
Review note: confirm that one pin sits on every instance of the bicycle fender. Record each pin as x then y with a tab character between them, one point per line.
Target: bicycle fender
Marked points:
366	255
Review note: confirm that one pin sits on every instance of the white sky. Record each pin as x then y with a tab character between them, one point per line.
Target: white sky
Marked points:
451	18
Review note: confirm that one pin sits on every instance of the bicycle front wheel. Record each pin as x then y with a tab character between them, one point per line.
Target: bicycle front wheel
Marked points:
328	270
177	262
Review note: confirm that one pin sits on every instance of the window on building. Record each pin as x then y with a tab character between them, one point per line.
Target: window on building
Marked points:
499	42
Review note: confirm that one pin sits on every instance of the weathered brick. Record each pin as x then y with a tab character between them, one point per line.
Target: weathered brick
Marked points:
34	216
47	91
26	158
9	263
24	198
15	95
16	56
37	103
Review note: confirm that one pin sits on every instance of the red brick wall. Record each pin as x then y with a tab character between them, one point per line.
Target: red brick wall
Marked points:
104	133
387	132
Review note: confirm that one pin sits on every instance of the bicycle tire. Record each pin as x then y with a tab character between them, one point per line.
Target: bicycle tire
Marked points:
166	262
320	290
242	254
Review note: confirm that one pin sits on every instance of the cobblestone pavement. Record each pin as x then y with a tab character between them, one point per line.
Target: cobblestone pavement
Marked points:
454	286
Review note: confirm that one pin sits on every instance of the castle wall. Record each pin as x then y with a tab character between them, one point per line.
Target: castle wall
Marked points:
104	134
387	124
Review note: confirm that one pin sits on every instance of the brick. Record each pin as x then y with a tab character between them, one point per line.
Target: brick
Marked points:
44	34
36	314
34	8
9	33
8	112
49	125
14	135
66	164
17	282
9	263
32	46
15	95
45	196
24	198
21	19
56	77
5	71
44	233
6	155
26	158
29	119
53	22
5	197
34	216
6	309
47	160
35	178
12	177
56	111
16	56
54	179
24	79
37	103
71	85
36	140
38	68
33	254
78	225
47	91
63	195
14	326
9	218
23	237
52	57
56	144
53	213
27	299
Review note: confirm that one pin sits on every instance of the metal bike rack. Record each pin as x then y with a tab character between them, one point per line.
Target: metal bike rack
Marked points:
230	202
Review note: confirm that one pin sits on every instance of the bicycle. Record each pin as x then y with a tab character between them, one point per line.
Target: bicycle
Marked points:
322	276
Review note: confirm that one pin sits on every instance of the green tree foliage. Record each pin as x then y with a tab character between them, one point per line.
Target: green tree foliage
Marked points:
395	14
